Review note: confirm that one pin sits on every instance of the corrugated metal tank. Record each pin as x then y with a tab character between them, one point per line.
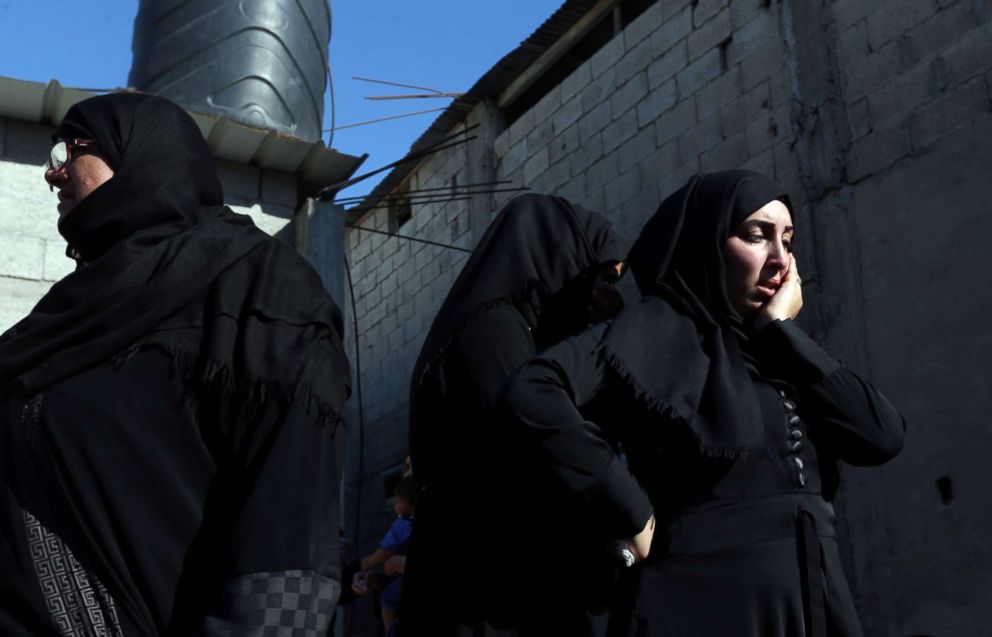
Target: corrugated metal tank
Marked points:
259	62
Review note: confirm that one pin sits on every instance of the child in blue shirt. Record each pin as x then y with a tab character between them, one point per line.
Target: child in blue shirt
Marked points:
395	542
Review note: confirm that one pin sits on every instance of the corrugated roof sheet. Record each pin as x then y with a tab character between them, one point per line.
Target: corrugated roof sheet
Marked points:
313	163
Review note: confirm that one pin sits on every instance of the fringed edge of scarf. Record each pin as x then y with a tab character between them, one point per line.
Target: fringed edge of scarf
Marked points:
201	377
668	411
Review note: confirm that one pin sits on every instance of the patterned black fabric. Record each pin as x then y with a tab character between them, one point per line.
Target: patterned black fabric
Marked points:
282	604
78	602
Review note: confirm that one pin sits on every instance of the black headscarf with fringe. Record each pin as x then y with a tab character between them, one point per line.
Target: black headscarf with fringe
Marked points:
163	263
683	348
540	254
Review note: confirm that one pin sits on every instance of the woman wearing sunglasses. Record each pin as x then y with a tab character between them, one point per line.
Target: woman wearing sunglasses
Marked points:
167	410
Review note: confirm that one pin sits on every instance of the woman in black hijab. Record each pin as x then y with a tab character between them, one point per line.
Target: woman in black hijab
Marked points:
167	411
732	420
542	271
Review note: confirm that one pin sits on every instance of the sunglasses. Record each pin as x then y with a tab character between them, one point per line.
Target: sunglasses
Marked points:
62	152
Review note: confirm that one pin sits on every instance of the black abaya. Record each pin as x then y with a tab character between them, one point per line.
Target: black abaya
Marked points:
481	560
167	411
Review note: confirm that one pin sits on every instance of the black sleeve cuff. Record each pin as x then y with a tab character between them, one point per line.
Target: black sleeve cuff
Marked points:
792	355
629	506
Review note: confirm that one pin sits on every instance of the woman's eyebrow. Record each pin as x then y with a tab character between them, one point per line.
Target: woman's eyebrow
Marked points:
766	225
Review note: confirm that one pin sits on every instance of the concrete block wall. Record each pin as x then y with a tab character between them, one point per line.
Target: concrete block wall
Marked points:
32	253
875	116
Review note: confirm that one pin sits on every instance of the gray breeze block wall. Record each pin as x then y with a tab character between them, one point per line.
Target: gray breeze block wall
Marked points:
32	253
876	117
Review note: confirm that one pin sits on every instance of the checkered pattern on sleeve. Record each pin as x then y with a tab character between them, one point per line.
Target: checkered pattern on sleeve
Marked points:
276	604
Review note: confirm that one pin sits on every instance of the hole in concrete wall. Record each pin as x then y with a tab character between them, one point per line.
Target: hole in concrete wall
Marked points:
766	3
725	55
946	490
400	211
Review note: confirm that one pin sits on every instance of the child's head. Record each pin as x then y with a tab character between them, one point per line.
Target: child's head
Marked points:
405	502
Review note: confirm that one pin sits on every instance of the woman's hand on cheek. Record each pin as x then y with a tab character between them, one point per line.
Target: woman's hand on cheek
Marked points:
788	299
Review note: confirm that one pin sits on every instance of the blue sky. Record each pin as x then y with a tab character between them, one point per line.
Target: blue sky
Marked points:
442	44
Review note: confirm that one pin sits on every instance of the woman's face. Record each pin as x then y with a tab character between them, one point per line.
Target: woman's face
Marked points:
757	257
86	170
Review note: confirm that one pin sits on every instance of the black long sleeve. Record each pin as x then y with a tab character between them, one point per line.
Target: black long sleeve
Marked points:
544	398
844	410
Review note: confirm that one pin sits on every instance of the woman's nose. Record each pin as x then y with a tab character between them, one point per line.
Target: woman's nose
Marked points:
55	178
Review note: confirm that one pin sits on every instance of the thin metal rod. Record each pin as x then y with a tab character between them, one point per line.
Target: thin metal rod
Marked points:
419	88
418	195
407	237
418	190
384	119
411	96
419	202
327	194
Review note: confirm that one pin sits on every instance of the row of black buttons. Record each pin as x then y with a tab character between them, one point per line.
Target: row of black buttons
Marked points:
795	437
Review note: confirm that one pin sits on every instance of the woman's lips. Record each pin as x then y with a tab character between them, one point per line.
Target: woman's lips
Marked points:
767	289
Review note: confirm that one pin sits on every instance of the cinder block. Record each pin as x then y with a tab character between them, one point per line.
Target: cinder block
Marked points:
736	115
634	61
762	163
565	144
971	56
743	11
701	137
536	165
22	257
628	95
514	157
636	149
57	264
576	81
588	153
502	143
547	105
638	209
944	28
866	74
619	131
730	153
620	190
673	31
848	12
657	102
750	37
719	92
699	73
594	121
17	297
859	118
895	99
554	177
852	45
519	129
665	67
27	143
539	137
761	65
950	113
761	134
600	89
704	10
875	152
643	25
707	36
602	172
28	207
660	163
607	56
567	115
894	18
673	122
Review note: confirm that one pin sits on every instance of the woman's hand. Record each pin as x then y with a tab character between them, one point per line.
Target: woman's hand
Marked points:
788	299
640	544
359	583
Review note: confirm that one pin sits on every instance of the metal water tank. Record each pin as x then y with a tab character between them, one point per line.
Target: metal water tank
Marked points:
259	62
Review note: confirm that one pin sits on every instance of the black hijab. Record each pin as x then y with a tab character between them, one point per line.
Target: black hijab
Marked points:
163	263
682	347
538	254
